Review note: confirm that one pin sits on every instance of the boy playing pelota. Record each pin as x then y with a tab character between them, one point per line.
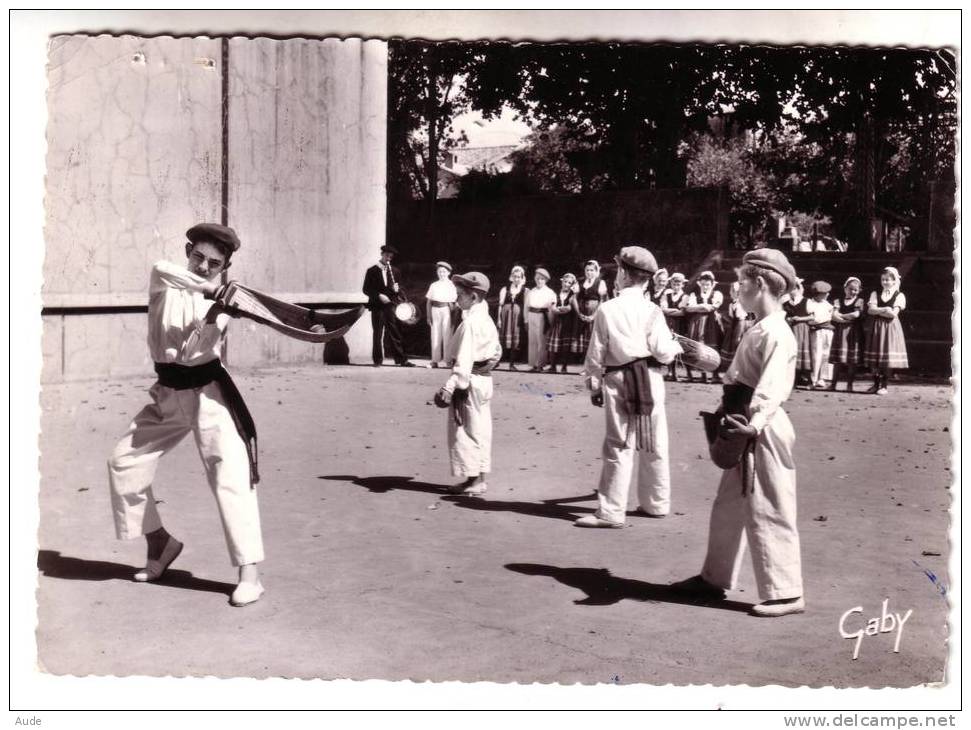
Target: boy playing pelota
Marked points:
194	394
758	508
475	350
630	346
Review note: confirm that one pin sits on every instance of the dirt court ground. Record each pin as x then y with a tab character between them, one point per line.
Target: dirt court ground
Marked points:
373	572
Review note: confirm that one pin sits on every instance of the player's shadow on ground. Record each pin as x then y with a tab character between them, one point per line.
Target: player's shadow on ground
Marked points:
547	508
604	589
384	484
54	565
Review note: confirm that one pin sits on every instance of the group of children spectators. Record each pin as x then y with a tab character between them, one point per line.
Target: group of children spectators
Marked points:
836	338
549	328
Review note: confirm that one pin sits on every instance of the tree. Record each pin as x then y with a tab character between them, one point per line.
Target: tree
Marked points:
729	163
430	84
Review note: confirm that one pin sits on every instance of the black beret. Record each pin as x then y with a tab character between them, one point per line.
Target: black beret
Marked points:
773	260
214	233
637	257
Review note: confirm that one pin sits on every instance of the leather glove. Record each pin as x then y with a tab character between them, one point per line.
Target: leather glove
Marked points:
443	399
597	398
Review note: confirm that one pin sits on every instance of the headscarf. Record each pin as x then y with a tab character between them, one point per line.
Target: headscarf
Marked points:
595	265
852	278
569	277
661	271
895	286
516	268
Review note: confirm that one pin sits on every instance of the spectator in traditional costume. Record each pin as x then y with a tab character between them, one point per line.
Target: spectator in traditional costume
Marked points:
886	348
511	317
846	352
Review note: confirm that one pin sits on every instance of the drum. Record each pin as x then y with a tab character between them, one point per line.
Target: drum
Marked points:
406	313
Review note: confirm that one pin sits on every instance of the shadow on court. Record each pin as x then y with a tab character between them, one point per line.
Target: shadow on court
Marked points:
54	565
551	509
603	589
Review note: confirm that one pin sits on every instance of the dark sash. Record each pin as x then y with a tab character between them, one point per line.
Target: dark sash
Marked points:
638	399
186	377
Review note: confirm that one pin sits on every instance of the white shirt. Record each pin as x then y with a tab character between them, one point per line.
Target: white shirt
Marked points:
714	299
384	271
177	327
475	340
627	328
442	291
822	312
601	290
766	361
900	301
511	292
541	298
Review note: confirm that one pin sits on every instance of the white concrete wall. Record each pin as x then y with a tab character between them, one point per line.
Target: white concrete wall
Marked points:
307	157
135	158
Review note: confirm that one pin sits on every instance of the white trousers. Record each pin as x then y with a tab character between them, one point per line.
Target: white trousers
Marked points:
470	445
821	340
537	355
157	428
441	329
619	454
765	520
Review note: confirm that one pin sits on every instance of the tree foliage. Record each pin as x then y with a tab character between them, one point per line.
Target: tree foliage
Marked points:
839	130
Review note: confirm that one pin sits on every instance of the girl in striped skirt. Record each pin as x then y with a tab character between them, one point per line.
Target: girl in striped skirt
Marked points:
562	335
885	348
847	351
673	301
798	317
704	323
511	317
591	294
538	303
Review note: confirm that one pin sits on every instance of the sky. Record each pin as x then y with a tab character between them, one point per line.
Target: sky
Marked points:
503	130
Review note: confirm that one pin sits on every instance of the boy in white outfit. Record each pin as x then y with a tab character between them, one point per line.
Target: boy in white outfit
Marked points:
475	350
194	394
760	510
630	347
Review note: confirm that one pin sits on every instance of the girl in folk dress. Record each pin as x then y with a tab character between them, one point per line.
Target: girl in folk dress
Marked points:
798	317
511	315
847	349
561	341
704	324
885	348
439	301
673	300
737	323
538	303
592	293
659	285
820	333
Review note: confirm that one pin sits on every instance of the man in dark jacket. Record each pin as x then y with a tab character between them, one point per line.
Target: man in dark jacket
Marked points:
382	283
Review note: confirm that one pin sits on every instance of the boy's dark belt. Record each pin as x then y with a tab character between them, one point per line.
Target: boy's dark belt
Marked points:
186	377
460	396
483	367
650	361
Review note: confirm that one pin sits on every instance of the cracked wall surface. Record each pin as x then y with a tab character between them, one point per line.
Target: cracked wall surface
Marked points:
135	138
307	141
